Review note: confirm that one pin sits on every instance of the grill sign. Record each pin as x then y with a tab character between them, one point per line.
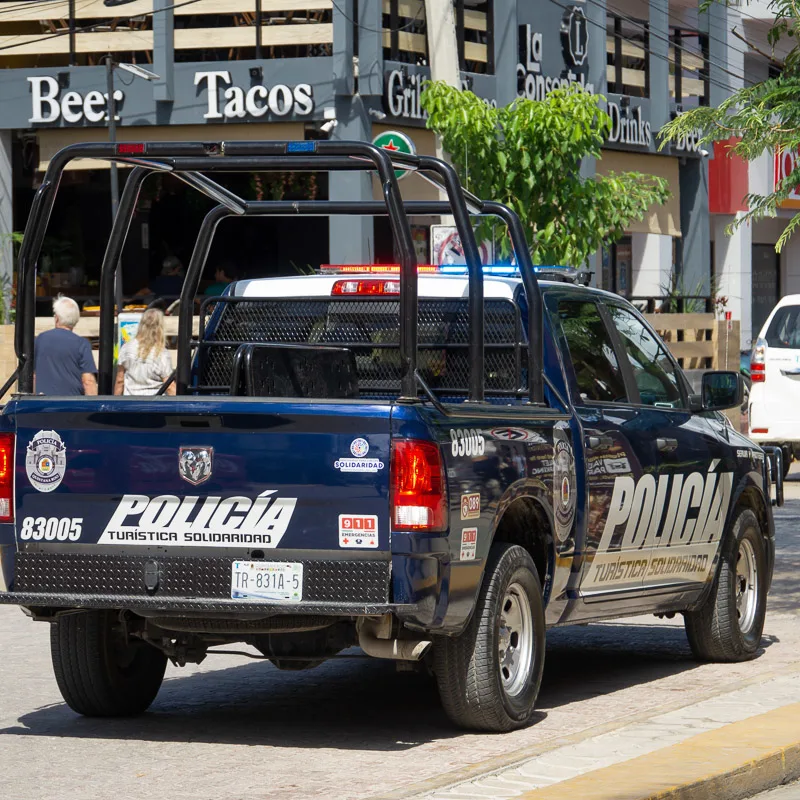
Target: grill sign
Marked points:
193	521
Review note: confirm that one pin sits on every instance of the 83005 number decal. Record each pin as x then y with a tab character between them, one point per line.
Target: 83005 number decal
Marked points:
464	442
51	529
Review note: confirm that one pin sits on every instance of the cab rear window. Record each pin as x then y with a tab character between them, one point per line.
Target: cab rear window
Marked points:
784	330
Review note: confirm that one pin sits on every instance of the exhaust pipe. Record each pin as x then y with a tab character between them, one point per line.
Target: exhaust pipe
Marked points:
374	638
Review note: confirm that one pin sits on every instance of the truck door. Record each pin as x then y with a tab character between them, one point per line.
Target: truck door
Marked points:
620	452
682	506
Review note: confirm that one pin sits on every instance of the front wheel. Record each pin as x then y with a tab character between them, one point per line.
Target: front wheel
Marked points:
728	626
489	676
100	672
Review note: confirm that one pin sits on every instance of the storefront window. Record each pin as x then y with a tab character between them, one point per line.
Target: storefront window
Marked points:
84	38
405	36
627	64
688	68
616	267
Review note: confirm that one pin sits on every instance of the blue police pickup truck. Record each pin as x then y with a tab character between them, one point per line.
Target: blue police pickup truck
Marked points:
435	467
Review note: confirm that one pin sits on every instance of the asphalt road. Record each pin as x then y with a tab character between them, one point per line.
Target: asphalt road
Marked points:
234	729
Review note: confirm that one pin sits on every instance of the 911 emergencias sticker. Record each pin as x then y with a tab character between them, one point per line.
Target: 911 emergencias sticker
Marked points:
469	544
358	530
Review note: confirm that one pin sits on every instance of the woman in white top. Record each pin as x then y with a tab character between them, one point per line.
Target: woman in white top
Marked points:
144	363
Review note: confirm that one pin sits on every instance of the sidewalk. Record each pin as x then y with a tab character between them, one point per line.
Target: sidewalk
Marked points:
726	747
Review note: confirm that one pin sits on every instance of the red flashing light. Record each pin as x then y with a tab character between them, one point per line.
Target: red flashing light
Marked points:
7	477
130	149
372	269
759	430
366	287
418	487
757	373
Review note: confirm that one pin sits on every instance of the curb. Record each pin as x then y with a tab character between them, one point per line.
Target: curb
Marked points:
730	763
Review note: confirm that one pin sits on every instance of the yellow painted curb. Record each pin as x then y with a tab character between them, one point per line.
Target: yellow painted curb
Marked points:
730	763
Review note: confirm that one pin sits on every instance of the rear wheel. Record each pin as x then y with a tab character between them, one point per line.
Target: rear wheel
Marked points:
100	672
728	626
489	676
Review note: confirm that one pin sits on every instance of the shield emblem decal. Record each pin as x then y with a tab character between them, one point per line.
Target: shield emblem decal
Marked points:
195	463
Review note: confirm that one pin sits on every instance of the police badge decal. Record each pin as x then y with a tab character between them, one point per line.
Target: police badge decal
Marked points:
46	461
563	482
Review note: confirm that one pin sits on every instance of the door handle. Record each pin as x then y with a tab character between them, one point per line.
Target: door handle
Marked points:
667	445
598	442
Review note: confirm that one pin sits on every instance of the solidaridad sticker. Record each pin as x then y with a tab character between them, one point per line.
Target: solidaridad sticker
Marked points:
563	482
46	461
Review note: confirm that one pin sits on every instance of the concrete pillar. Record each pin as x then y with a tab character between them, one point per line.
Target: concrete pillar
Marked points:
164	51
6	219
733	269
351	239
659	63
651	264
596	75
695	262
505	50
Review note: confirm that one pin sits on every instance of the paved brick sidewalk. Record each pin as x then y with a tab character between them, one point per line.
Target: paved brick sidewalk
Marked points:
630	741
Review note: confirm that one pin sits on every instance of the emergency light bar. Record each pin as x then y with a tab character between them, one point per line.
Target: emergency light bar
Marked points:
509	270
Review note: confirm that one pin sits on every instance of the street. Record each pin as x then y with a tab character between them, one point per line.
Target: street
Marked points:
232	728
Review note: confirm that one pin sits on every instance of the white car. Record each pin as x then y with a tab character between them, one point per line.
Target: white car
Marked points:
775	374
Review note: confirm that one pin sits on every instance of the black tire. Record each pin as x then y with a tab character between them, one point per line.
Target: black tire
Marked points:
98	672
719	630
468	667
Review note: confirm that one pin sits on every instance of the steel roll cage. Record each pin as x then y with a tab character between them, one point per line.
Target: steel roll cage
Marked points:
185	159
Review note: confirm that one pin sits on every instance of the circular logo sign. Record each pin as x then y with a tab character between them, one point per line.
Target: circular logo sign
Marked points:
46	461
563	483
395	142
359	447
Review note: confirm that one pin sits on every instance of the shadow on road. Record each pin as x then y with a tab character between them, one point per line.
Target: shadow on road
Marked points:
364	705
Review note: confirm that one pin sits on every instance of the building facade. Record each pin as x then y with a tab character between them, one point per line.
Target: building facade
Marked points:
298	69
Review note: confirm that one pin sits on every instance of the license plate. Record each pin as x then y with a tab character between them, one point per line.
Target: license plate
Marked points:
267	580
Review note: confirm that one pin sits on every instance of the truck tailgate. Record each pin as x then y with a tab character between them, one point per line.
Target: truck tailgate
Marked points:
210	473
163	502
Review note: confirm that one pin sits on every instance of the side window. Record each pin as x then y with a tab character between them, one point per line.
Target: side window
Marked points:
594	361
654	372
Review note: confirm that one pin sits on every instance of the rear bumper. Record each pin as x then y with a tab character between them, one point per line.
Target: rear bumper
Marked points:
41	600
192	584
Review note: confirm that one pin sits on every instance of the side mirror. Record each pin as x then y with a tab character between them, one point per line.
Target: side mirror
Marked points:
722	390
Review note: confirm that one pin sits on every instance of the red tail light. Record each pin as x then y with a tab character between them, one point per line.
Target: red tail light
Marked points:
6	477
757	374
419	490
130	149
370	286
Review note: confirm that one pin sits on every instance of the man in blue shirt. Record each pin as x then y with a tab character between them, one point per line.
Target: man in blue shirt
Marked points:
63	362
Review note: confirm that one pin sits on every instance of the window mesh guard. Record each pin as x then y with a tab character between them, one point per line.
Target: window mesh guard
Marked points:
369	327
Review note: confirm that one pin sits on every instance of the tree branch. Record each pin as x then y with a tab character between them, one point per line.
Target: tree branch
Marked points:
758	50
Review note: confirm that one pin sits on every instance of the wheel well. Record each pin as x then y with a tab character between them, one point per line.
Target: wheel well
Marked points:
525	523
750	498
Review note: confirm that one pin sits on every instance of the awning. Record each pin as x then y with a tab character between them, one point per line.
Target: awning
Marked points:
663	219
53	139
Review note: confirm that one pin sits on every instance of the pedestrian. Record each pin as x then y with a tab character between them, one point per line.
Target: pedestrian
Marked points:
170	282
225	274
144	362
62	361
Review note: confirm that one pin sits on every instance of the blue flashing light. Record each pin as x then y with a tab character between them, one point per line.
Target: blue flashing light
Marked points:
501	270
301	147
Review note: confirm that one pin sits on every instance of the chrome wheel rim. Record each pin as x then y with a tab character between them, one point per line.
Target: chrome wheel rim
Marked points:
515	640
746	586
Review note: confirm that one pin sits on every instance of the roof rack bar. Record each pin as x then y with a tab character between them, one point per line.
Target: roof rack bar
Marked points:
533	294
213	190
108	275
